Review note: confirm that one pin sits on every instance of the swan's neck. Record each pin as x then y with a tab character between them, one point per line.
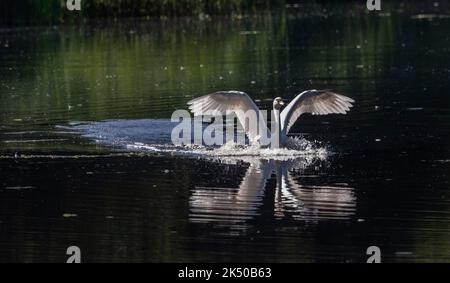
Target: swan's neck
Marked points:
276	139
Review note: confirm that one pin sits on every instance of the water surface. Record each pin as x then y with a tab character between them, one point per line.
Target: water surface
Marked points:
82	109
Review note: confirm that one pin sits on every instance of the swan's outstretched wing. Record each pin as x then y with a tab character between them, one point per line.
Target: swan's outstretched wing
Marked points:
231	101
316	102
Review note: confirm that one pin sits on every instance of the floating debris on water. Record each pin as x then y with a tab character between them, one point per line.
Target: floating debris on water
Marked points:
430	17
250	32
70	215
20	188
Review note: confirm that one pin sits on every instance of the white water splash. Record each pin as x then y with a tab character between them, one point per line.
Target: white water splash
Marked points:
153	136
298	148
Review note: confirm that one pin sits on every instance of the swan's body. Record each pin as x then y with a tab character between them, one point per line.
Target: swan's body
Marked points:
313	101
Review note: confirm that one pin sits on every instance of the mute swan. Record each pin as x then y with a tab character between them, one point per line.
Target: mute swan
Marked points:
316	102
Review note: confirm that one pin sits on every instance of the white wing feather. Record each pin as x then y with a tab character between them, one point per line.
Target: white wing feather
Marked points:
224	102
314	102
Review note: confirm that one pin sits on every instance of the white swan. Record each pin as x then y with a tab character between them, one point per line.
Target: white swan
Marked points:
316	102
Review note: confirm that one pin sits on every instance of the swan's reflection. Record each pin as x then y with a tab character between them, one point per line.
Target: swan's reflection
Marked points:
291	198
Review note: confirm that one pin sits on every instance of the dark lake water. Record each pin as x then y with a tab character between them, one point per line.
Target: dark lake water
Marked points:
85	156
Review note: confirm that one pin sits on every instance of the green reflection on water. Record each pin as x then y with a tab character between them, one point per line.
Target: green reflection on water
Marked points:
148	69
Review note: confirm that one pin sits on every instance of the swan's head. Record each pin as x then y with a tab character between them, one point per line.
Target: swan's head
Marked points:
278	103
